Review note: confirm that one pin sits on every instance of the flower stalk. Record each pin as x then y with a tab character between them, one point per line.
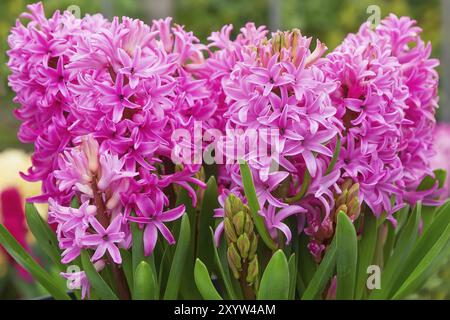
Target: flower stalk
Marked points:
242	245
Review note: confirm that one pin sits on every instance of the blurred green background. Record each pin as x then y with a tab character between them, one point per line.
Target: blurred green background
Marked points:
329	20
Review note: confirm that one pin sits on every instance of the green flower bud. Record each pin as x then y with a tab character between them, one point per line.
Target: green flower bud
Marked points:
230	233
233	205
234	260
248	226
342	208
342	199
347	184
354	208
253	247
239	222
353	191
243	244
252	271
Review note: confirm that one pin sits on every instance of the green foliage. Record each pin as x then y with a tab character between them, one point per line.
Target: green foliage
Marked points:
204	283
253	203
52	285
347	255
145	283
178	265
275	280
96	281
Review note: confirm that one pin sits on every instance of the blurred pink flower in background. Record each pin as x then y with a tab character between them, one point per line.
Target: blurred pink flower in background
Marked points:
441	159
13	191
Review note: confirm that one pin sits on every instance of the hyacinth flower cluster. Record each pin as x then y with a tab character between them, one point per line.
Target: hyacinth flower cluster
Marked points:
370	102
100	101
329	140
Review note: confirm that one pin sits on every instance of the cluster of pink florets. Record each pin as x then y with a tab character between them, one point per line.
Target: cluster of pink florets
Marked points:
100	100
376	93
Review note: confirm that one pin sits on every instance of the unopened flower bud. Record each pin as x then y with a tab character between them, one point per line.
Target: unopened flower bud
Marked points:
243	244
253	246
239	222
234	260
346	185
342	208
249	226
90	148
353	191
252	271
354	209
230	233
342	199
233	205
113	201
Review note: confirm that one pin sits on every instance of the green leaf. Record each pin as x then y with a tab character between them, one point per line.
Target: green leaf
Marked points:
323	274
428	182
275	280
426	246
22	257
366	251
253	203
127	266
74	203
96	281
225	275
403	247
440	176
178	264
145	283
204	242
336	153
346	257
204	283
386	247
45	236
137	251
306	264
292	263
188	289
424	265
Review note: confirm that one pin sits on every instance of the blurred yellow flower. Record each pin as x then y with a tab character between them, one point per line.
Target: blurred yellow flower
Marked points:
13	161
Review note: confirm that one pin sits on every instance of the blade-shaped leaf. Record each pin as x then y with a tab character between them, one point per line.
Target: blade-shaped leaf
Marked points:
225	275
435	234
204	241
188	289
292	263
204	283
22	257
337	151
127	266
403	247
95	279
366	251
178	264
346	257
275	280
253	203
323	274
145	283
45	236
306	264
424	264
137	251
